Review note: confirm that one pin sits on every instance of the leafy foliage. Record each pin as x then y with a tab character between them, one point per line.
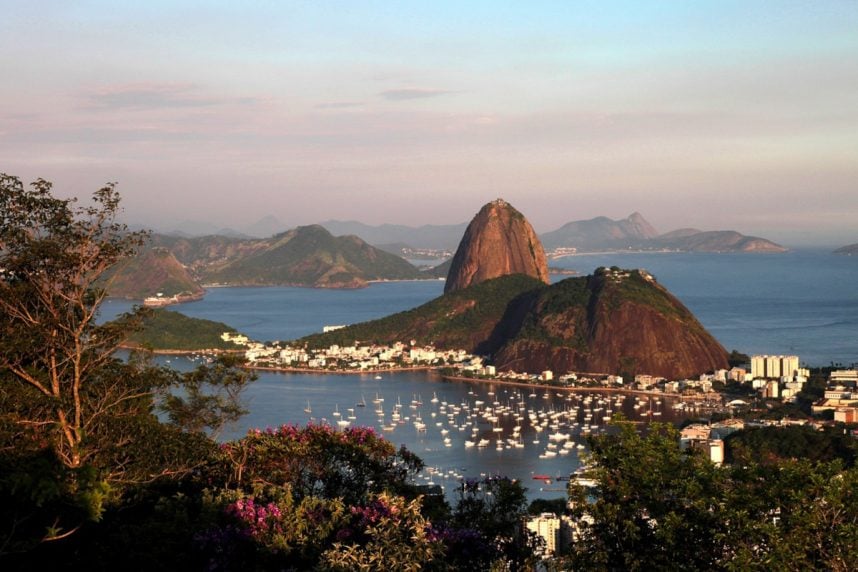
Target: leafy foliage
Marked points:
490	508
77	429
657	507
210	398
319	461
738	359
767	445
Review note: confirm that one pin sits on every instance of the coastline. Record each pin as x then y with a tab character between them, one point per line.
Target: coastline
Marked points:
174	352
319	371
430	369
562	388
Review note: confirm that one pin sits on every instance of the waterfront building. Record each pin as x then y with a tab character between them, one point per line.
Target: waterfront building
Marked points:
739	374
837	392
773	366
716	451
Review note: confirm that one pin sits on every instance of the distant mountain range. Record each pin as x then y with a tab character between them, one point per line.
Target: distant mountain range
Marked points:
429	236
313	256
849	250
304	256
593	235
600	233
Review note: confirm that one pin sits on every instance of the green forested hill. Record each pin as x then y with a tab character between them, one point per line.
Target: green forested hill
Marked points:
310	255
168	330
615	321
150	272
463	319
304	256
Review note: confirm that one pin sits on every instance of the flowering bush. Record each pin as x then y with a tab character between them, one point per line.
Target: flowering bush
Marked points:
386	533
318	460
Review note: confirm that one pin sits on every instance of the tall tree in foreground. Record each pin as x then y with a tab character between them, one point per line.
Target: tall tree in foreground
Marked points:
52	254
77	425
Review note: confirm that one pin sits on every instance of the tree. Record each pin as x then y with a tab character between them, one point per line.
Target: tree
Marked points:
493	509
77	425
657	507
52	255
212	397
654	504
318	460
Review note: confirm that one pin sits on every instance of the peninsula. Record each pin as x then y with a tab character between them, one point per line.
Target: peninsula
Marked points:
614	321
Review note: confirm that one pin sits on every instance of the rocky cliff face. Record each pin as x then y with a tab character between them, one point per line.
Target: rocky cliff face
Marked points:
616	321
498	241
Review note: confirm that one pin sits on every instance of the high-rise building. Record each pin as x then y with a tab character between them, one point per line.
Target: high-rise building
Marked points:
774	367
547	526
789	366
758	366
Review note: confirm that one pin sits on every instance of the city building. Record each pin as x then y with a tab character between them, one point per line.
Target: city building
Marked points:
841	376
774	367
555	530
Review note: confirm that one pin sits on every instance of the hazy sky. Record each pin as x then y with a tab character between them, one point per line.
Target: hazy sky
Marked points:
740	115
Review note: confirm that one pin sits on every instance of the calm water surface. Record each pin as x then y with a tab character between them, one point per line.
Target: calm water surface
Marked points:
803	302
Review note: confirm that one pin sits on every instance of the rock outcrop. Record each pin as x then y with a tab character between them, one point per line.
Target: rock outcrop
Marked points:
615	321
498	241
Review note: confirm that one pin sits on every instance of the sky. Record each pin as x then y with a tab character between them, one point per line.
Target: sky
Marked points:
715	115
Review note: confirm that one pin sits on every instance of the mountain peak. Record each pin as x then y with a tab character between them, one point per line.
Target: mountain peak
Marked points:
639	227
497	242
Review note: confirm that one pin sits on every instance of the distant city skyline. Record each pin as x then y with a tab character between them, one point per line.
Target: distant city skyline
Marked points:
739	115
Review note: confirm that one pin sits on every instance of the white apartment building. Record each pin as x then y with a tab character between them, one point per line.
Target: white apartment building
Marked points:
555	530
774	367
843	375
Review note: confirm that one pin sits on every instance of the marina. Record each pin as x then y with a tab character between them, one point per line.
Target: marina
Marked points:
460	430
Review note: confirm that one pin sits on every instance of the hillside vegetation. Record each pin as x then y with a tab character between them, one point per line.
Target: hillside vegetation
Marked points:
152	271
615	321
304	256
168	330
463	319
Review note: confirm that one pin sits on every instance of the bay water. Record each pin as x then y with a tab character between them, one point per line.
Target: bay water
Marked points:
803	302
